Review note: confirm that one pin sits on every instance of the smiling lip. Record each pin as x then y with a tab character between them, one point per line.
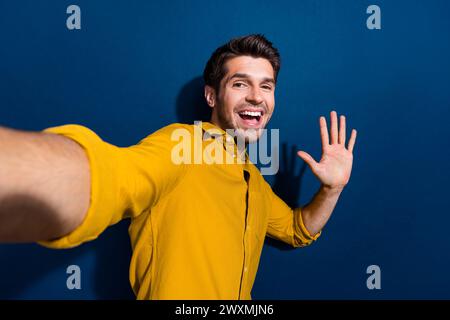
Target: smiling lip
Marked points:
251	117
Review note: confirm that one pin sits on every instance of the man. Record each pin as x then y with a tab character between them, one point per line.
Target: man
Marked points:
197	229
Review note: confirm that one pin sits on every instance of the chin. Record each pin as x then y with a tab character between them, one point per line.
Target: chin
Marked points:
249	135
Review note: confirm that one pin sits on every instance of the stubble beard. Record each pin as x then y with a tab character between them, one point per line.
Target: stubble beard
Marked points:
243	134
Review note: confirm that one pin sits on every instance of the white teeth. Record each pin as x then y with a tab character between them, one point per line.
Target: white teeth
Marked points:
251	113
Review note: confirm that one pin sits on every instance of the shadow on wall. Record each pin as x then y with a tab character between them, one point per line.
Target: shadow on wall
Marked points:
113	256
287	185
191	104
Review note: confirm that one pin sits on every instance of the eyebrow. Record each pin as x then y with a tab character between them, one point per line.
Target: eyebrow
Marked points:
246	76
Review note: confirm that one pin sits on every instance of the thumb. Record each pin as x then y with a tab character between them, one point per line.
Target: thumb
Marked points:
307	158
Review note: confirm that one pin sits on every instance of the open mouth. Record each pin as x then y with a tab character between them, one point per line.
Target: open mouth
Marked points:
251	118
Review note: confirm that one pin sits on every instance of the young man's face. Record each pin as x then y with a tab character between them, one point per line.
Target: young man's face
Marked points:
246	98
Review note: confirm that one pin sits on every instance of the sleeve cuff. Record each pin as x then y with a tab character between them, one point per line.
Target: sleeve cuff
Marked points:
302	235
93	223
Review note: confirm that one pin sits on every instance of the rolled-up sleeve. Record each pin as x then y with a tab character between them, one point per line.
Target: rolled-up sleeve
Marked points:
287	225
124	181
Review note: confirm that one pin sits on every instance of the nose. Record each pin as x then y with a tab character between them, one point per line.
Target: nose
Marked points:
254	96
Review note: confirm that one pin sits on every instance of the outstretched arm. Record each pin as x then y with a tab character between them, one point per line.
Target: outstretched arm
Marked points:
333	171
44	185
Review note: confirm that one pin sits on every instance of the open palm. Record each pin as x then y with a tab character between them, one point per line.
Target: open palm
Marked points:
334	168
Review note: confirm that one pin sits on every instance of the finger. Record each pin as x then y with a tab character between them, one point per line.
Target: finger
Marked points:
351	141
334	127
324	132
307	158
342	129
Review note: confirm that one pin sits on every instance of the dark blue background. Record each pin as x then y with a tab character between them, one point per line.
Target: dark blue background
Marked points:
135	66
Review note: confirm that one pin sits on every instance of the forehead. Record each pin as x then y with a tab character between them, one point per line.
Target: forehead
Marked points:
258	68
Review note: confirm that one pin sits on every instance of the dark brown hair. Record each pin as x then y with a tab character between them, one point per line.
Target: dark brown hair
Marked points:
254	45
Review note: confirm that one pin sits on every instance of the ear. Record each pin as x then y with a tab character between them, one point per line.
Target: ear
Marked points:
210	96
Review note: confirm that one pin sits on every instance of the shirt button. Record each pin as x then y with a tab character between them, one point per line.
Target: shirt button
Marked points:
245	269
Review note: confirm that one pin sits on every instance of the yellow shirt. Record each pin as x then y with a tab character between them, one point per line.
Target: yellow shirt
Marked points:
197	230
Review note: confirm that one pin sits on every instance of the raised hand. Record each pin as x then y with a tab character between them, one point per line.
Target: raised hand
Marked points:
334	168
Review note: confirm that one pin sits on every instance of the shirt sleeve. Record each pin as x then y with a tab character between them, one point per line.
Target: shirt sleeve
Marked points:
287	225
124	181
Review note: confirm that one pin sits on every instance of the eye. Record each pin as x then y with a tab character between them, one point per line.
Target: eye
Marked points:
267	87
239	84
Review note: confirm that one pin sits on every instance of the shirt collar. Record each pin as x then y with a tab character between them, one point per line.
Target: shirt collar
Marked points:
211	130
